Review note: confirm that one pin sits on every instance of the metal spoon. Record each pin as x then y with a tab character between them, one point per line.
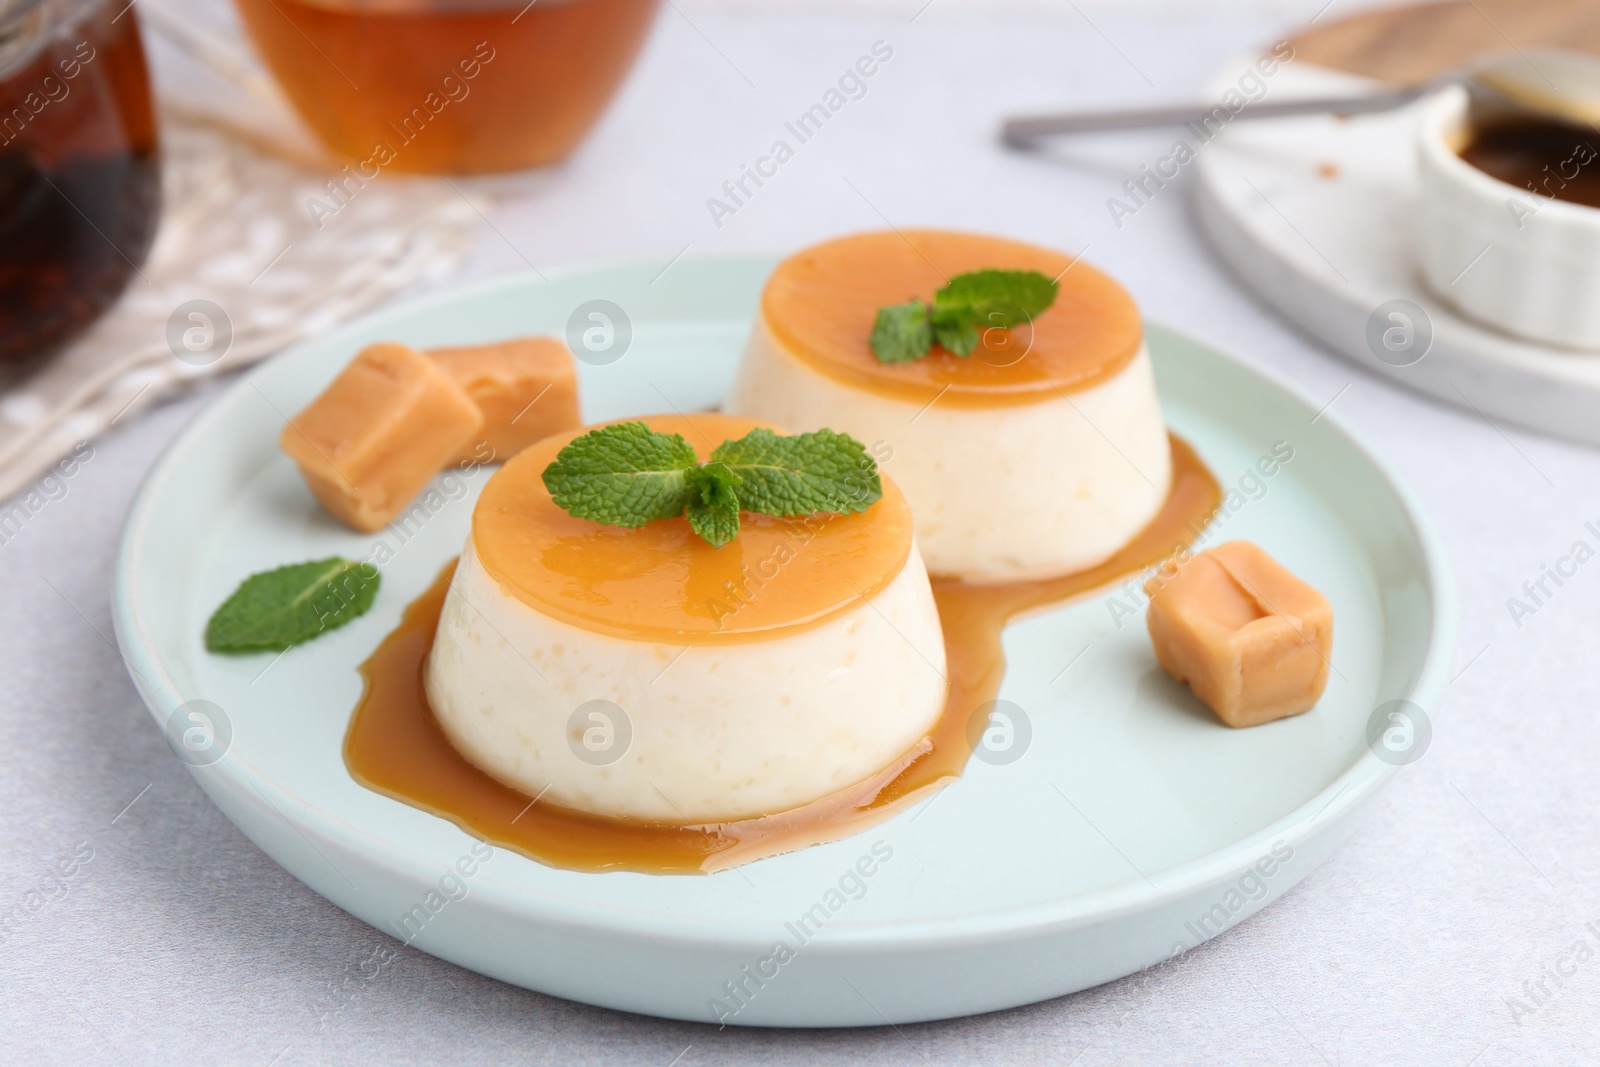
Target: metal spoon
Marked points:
1553	82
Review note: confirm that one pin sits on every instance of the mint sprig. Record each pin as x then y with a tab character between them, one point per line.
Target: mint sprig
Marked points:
803	474
902	332
279	609
968	304
713	504
622	475
627	475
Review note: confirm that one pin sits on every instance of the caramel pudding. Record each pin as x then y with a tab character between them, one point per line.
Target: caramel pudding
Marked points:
1043	452
395	744
643	674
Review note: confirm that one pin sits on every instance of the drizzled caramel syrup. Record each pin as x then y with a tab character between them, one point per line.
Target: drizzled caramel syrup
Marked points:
396	747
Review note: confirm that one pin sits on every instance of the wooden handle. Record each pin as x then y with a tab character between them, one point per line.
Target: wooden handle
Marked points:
1413	44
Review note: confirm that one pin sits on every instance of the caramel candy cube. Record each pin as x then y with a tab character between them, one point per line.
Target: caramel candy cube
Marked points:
526	388
1248	637
375	437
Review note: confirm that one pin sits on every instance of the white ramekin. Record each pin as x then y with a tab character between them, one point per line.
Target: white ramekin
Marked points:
1503	255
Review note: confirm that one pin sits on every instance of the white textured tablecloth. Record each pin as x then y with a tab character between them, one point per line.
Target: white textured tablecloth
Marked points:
1468	886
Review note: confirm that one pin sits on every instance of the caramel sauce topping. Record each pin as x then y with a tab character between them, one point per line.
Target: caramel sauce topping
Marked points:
660	581
820	305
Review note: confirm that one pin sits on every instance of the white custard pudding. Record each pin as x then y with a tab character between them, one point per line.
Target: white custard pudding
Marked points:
1043	452
643	674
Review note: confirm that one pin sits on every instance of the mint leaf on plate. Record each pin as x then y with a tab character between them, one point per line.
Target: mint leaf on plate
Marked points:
279	609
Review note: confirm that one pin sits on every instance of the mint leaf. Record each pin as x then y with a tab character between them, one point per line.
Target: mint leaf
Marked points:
901	333
279	609
955	329
714	502
624	474
1004	298
981	298
627	475
803	474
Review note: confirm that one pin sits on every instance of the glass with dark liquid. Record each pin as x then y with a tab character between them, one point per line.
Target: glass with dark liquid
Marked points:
449	86
80	183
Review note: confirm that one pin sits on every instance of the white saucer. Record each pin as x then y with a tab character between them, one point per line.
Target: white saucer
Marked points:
1130	826
1336	256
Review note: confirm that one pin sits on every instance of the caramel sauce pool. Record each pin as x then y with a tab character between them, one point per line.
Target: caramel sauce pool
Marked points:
396	747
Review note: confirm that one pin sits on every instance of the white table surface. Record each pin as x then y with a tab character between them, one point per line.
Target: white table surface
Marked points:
180	942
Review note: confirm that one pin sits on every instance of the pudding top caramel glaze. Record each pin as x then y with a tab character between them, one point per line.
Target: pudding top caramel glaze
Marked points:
660	581
820	305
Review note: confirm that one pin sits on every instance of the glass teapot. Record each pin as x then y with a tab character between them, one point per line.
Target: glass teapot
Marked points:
80	182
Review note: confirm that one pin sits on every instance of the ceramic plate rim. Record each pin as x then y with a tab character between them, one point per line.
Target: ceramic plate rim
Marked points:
1343	795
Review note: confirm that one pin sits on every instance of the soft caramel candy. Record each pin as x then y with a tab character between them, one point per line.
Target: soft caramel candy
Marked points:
1248	637
527	390
376	436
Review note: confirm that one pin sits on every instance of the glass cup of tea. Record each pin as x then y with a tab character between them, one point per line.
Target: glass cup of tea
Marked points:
449	86
80	175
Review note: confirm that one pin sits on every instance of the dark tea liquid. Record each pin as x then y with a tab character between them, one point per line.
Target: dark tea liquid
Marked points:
449	86
80	181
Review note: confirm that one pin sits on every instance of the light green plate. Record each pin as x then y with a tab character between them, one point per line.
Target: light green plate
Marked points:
1131	826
